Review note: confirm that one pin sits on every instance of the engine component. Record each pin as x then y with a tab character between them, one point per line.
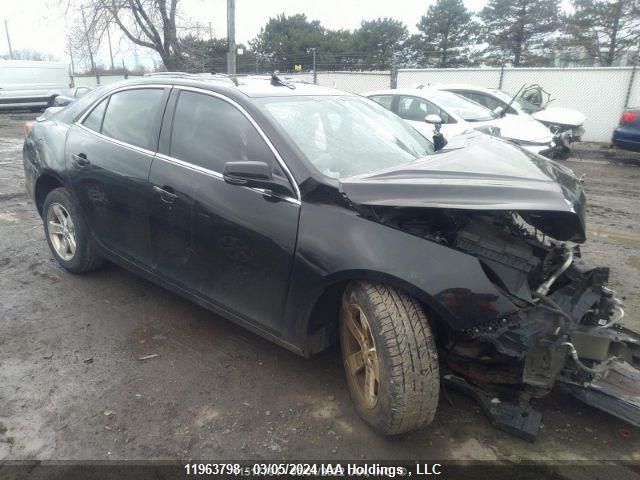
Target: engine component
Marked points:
510	258
545	286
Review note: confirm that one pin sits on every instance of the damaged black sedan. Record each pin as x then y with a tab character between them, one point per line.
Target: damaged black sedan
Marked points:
312	217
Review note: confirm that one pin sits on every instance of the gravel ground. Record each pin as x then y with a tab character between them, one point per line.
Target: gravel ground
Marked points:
72	385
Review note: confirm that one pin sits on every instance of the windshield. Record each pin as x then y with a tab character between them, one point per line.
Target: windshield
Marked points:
464	108
343	136
524	104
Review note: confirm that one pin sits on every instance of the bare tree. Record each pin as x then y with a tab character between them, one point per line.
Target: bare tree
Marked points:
147	23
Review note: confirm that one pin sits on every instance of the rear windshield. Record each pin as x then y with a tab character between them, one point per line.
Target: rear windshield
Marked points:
343	136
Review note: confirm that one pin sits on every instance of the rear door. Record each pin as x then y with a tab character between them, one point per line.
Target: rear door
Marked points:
109	153
230	245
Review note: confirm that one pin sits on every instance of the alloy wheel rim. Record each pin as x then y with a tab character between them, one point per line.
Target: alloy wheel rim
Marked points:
62	231
360	357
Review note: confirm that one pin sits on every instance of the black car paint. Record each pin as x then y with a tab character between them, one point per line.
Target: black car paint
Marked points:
481	179
256	258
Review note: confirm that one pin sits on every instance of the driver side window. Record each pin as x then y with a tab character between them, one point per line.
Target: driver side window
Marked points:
209	132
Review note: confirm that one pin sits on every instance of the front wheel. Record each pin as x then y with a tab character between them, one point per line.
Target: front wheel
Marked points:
67	233
390	358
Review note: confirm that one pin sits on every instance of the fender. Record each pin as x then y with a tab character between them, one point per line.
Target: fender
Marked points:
450	282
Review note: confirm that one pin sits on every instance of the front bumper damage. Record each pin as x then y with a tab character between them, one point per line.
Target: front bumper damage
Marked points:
540	316
568	336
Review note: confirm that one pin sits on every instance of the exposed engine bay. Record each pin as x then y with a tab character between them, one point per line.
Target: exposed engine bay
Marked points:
566	331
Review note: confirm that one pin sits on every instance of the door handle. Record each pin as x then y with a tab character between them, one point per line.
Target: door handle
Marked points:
166	193
81	159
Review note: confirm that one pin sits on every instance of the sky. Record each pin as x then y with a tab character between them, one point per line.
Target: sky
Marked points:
41	24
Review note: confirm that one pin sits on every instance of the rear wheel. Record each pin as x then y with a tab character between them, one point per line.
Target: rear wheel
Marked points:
390	358
67	233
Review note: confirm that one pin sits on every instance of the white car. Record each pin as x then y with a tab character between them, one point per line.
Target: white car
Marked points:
565	123
459	115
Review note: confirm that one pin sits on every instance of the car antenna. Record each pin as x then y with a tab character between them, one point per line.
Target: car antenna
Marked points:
504	111
279	82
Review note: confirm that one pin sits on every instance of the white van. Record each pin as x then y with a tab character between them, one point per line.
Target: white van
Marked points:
27	84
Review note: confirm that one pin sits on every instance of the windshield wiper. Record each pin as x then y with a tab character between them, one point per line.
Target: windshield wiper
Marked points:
513	99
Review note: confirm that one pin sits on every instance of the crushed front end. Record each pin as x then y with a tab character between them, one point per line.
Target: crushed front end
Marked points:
554	321
566	330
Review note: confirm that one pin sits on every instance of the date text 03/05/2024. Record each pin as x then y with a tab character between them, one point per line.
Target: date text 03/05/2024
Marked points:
312	469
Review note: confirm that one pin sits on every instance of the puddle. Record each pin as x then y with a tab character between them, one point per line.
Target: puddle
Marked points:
629	239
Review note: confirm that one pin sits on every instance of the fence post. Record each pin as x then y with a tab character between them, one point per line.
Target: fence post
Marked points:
628	95
393	74
501	77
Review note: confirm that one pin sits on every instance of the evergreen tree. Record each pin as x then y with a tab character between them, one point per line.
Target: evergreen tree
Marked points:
604	29
520	31
446	33
376	41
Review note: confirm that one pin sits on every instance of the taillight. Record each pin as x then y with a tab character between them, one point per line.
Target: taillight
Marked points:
628	117
27	128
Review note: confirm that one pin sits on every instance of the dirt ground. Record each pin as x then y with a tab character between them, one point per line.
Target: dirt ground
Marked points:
72	385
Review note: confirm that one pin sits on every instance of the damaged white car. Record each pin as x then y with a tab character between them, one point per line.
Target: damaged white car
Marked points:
457	115
565	124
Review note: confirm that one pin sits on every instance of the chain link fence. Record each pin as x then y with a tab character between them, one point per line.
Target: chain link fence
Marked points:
601	93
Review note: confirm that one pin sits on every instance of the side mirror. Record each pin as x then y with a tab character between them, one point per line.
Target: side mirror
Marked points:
252	174
80	91
439	141
498	111
434	119
62	101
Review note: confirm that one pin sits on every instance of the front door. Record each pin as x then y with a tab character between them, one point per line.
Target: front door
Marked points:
228	244
108	159
414	110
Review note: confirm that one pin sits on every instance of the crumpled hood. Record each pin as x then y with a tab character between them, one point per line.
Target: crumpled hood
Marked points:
486	174
560	116
523	128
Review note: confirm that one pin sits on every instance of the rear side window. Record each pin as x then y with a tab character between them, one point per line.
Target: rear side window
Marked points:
132	117
94	120
384	100
209	132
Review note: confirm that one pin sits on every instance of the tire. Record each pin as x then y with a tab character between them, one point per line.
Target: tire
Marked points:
408	383
83	258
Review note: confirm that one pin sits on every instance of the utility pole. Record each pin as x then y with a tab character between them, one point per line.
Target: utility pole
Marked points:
231	37
315	74
110	50
86	36
394	71
6	29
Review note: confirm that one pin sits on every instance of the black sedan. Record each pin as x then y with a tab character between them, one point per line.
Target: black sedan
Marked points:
627	135
313	216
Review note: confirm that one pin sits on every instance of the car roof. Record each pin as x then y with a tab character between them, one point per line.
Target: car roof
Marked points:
252	86
463	86
426	92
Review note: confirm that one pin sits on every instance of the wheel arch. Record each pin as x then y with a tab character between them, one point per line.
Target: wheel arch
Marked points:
45	183
321	322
